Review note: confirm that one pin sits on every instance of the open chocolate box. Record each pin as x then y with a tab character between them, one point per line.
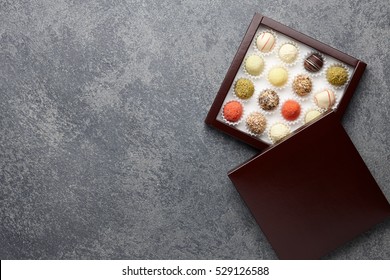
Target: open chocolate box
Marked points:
309	190
271	61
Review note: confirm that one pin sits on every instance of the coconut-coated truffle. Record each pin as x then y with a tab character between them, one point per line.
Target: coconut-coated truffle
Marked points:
256	123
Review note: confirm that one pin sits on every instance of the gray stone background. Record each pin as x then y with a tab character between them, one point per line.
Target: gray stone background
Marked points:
103	149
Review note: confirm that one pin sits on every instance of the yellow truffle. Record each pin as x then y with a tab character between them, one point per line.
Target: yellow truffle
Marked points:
311	115
254	65
278	76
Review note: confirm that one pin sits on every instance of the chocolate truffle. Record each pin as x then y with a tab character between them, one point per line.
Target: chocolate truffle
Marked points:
268	100
311	115
256	123
291	110
325	99
288	53
244	88
337	75
314	62
278	76
232	111
265	42
254	65
302	85
278	131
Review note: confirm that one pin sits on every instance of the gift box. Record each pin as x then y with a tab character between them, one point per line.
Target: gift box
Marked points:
285	93
307	45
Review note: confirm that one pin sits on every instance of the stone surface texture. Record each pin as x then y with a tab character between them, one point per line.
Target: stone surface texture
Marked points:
103	150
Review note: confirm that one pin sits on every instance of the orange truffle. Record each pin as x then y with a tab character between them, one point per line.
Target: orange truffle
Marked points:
232	111
291	110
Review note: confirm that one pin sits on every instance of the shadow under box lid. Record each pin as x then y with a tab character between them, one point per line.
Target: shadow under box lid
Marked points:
312	192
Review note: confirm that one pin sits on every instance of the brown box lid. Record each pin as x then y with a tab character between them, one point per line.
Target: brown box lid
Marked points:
312	192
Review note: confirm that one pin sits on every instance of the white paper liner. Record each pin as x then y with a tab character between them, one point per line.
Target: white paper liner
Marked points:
311	109
250	132
234	89
313	74
297	120
242	115
313	88
336	97
269	131
339	65
288	77
273	48
265	112
296	59
264	66
285	92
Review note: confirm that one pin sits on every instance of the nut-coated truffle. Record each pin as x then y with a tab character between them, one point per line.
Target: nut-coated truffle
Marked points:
268	100
302	85
256	123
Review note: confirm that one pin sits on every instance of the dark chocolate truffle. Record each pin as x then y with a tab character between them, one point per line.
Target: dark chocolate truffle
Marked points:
314	62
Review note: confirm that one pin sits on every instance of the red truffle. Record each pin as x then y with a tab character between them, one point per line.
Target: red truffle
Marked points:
232	111
291	110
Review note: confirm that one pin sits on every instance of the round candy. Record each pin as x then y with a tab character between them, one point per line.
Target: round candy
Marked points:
337	75
311	115
268	100
291	110
232	111
278	131
288	53
256	123
302	85
254	65
325	99
244	88
265	42
314	62
278	76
